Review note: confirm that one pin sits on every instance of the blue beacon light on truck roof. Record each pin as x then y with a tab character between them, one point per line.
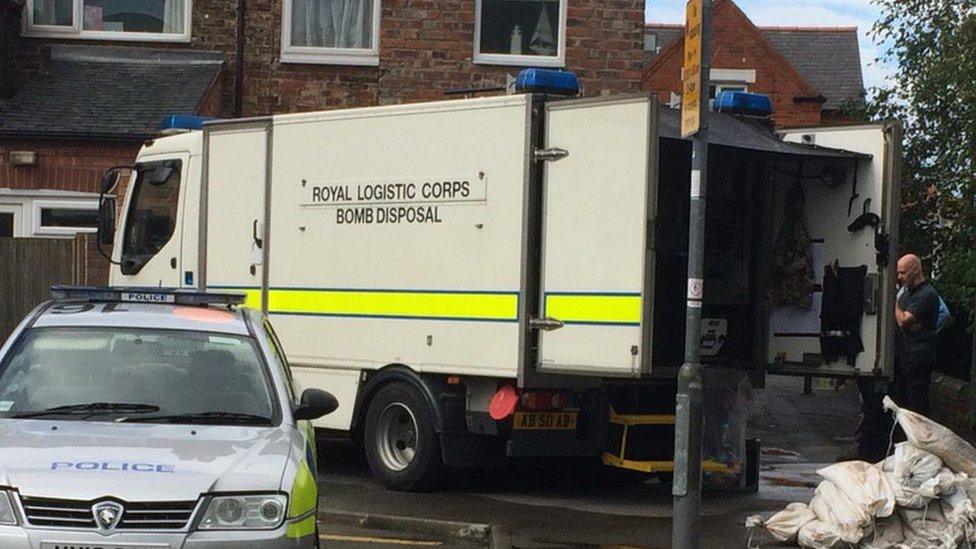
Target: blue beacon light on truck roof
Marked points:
183	122
547	81
737	102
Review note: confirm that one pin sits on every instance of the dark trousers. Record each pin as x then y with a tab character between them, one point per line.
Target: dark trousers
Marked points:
909	389
911	384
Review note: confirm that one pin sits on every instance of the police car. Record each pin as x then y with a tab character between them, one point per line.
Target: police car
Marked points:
153	419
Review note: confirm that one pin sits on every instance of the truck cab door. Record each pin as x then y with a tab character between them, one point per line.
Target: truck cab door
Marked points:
149	253
233	207
597	260
851	224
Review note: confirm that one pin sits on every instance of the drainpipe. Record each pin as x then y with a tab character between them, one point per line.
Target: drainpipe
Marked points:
9	17
239	72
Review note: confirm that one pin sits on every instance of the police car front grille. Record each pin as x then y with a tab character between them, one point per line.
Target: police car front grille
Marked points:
170	515
59	513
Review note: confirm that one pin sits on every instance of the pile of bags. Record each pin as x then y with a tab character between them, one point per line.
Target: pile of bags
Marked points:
922	496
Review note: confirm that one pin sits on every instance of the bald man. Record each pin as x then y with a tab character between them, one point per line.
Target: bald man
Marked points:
917	313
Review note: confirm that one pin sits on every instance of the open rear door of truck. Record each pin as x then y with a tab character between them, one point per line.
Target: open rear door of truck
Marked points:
234	242
853	226
597	240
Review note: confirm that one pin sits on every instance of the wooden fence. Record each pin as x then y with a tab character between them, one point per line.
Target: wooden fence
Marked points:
28	269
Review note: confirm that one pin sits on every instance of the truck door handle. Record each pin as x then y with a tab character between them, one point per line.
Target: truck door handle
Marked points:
254	234
547	324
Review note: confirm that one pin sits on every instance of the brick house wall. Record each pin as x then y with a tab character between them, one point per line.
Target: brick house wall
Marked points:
739	44
63	165
426	47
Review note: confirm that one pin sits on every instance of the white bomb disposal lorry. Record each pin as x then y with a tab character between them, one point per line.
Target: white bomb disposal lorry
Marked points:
505	276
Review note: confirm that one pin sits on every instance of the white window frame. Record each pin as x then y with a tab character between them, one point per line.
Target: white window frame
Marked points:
17	209
40	230
558	61
365	57
76	30
726	86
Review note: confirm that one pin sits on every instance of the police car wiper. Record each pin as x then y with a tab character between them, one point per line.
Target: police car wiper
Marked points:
91	409
207	417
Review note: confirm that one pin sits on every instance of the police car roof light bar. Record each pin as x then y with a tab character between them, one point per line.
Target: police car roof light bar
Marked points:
177	296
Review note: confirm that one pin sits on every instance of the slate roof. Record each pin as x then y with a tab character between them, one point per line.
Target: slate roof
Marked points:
828	58
108	92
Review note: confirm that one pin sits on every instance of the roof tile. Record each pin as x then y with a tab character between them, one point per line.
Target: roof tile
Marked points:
108	92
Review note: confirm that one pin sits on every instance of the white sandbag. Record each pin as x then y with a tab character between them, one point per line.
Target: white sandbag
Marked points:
887	464
817	534
784	525
913	466
864	485
956	507
929	528
832	507
949	482
888	532
913	497
928	435
955	502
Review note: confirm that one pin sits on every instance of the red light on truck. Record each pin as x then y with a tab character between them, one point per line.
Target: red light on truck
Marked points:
503	403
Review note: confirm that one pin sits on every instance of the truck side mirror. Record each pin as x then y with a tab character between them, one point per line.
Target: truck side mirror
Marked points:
109	180
106	220
315	403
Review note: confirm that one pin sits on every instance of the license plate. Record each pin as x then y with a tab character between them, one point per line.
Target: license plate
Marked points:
545	421
100	545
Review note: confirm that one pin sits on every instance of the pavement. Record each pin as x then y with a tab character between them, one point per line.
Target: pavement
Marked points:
572	504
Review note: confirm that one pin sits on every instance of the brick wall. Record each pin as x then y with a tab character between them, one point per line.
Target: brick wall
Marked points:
426	47
738	44
62	165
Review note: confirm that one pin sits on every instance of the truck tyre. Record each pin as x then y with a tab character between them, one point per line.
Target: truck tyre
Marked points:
402	448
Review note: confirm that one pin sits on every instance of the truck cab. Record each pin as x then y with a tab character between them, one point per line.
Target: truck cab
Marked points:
156	242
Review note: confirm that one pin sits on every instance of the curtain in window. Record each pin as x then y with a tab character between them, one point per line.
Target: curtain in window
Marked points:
332	23
52	12
173	16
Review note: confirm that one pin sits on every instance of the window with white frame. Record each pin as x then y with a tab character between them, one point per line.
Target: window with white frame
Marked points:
65	217
340	32
144	20
520	32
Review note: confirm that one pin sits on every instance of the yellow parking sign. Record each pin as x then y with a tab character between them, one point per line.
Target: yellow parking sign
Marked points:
691	93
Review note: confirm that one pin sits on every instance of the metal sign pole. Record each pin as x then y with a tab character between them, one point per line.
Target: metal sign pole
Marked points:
686	490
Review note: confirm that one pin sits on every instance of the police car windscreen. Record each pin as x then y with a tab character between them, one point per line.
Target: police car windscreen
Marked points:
136	375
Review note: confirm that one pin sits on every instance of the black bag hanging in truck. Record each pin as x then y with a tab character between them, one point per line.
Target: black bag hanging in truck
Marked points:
841	313
792	264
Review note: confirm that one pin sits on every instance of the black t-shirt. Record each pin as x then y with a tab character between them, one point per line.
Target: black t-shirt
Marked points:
922	302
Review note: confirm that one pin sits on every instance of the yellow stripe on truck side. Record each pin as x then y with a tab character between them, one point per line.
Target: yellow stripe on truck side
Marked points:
396	304
611	309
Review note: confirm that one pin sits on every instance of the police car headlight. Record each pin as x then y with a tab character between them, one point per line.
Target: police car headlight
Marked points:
7	515
254	512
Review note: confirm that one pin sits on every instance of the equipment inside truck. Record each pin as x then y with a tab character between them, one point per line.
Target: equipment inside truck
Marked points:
796	259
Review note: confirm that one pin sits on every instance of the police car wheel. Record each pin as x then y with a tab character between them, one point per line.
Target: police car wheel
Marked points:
401	446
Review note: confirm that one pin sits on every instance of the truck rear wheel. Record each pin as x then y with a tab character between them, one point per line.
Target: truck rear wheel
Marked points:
401	445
